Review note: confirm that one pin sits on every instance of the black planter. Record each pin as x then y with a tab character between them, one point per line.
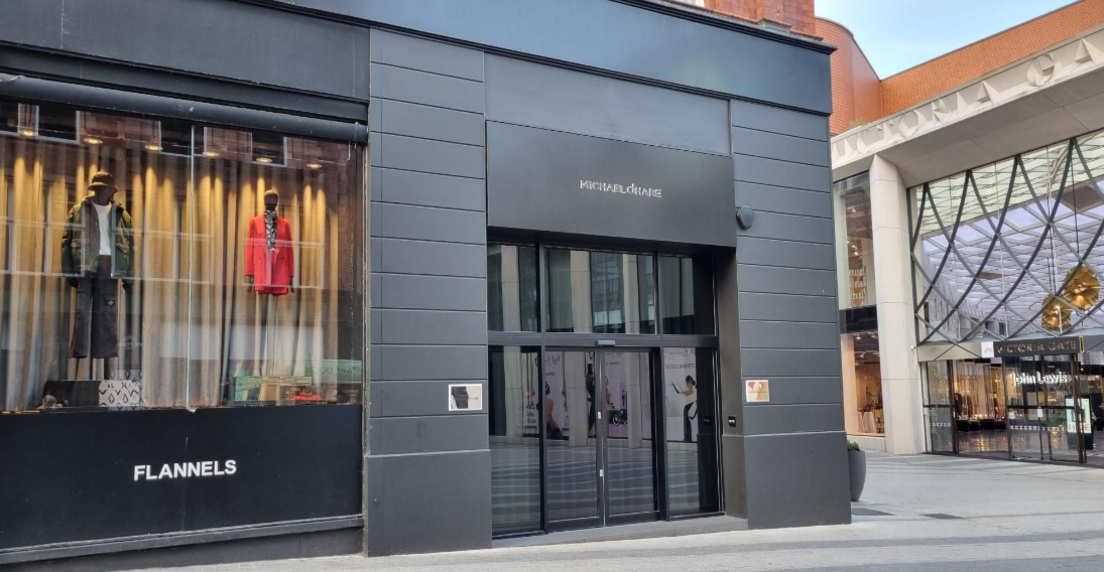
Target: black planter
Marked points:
856	464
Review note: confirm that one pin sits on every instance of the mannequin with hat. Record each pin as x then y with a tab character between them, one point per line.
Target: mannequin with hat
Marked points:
269	252
97	253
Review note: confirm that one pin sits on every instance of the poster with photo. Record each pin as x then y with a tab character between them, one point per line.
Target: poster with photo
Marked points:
680	394
617	397
534	392
555	399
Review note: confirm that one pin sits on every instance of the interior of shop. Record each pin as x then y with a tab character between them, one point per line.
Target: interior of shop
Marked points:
1036	408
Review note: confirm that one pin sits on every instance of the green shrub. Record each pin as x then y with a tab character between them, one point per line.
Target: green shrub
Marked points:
853	446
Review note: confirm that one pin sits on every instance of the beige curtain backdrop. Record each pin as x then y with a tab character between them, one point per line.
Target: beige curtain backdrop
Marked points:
189	326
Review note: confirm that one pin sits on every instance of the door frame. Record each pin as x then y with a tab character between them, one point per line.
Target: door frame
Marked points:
604	517
1046	452
545	340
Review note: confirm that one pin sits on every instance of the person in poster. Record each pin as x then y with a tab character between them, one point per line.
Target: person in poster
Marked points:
691	400
680	394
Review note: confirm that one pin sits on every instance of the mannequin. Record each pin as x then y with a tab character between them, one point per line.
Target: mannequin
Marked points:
97	253
269	253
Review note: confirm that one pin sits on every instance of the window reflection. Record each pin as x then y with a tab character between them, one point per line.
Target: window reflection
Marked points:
514	414
686	287
856	251
512	290
600	292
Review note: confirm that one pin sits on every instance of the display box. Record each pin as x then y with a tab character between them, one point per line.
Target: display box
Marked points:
270	390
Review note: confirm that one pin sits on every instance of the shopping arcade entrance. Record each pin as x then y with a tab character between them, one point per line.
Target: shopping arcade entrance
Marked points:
1040	400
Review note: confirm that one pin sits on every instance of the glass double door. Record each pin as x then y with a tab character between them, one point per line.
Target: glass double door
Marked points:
1048	410
600	457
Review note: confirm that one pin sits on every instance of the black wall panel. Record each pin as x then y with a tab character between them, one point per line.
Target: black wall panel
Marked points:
794	469
235	40
429	468
722	57
72	476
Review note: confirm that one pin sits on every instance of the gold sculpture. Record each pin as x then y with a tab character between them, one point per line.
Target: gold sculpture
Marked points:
1056	315
1082	290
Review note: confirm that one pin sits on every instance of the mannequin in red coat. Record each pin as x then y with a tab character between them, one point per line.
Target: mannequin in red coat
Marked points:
269	253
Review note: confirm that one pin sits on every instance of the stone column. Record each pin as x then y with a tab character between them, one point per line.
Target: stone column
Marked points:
901	393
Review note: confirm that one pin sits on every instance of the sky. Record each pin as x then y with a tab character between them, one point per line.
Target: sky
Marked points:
898	34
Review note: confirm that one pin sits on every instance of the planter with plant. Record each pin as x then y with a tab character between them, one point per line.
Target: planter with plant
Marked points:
856	464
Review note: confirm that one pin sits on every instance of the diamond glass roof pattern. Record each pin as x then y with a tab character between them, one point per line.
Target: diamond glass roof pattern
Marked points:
994	274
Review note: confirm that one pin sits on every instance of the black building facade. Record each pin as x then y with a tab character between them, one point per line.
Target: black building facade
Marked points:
283	279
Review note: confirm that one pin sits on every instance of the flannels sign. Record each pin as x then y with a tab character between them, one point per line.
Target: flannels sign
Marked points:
555	182
632	189
186	470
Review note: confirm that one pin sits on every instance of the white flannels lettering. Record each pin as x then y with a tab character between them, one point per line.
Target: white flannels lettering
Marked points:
199	469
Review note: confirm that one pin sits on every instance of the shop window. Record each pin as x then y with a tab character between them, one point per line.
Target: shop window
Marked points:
600	292
686	287
856	252
512	288
862	385
514	406
138	278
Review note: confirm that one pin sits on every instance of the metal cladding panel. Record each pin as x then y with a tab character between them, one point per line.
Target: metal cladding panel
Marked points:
786	307
559	182
764	252
418	399
430	503
716	56
774	419
431	292
235	40
795	462
775	199
527	93
428	433
797	480
782	147
428	189
780	121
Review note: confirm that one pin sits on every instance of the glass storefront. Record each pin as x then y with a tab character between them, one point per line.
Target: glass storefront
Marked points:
583	436
862	368
856	251
1011	251
862	392
156	263
1038	408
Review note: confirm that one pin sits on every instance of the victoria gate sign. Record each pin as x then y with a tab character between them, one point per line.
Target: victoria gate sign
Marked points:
1052	346
560	182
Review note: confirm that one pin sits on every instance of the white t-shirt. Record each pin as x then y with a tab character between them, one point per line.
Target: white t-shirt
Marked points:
105	235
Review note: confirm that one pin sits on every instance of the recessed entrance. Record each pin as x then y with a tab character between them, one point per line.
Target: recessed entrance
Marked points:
600	461
602	393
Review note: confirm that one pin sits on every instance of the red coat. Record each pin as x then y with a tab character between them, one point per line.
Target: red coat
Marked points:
271	270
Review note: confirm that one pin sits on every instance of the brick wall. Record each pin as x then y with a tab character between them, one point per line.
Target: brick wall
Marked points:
795	14
975	60
856	89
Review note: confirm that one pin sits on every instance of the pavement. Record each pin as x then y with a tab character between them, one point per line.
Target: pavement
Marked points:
918	514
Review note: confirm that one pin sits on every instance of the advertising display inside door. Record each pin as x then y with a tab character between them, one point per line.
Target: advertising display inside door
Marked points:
155	263
689	405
